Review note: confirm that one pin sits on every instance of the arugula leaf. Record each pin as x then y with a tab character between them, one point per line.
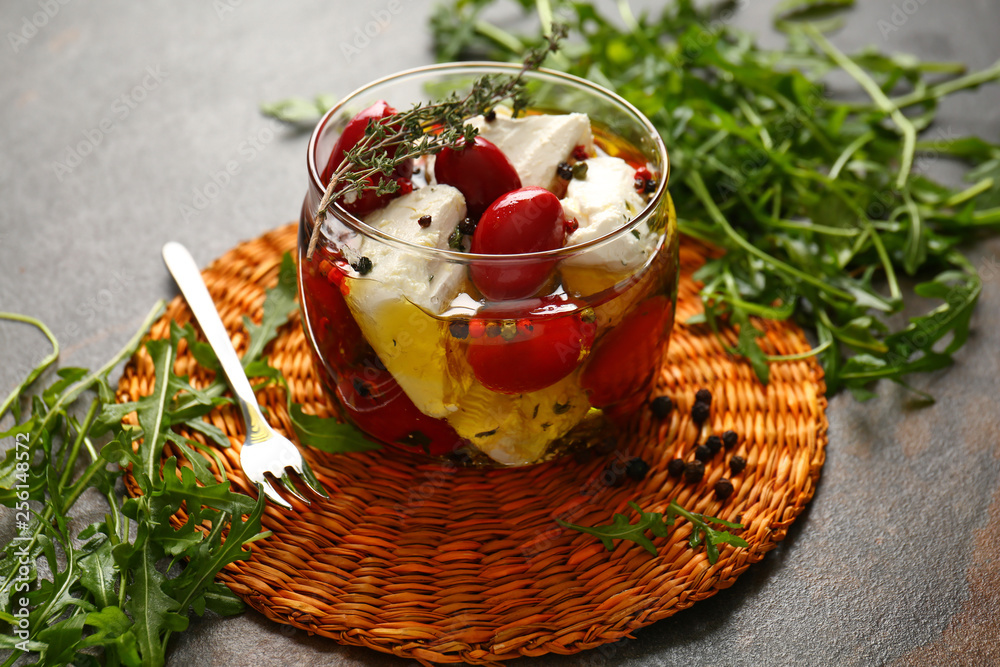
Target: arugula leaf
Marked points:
299	112
195	586
152	409
113	631
279	302
327	435
621	529
153	612
61	640
702	531
814	198
97	570
656	523
182	487
108	594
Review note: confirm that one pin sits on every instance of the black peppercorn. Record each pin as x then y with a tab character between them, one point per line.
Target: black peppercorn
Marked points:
723	489
565	171
490	116
459	329
699	413
703	396
650	186
737	464
636	469
361	388
714	444
702	453
362	266
424	221
694	471
730	439
661	406
492	329
676	468
467	226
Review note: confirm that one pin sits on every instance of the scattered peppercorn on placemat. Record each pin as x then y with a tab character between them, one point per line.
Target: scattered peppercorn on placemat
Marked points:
440	563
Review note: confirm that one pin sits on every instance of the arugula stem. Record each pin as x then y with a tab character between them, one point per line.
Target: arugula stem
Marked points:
754	119
67	398
948	87
37	370
81	484
810	227
960	198
990	216
851	149
697	185
500	36
883	255
74	450
114	520
847	340
822	347
70	395
881	101
911	259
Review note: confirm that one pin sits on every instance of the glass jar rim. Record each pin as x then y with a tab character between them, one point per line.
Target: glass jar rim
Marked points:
360	226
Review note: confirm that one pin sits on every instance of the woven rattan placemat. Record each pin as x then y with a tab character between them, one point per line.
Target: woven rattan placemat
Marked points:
440	563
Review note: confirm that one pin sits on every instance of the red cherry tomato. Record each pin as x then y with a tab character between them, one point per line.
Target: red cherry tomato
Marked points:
480	171
626	358
376	404
326	314
353	133
530	219
528	345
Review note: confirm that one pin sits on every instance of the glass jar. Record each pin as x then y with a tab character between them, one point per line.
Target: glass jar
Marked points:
416	357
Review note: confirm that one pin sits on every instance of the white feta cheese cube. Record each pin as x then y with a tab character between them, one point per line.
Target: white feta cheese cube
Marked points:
428	283
394	303
535	145
602	202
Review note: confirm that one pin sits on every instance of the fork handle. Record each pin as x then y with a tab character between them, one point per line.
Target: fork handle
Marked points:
182	266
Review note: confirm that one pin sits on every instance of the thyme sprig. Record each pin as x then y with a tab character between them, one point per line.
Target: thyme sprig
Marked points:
424	129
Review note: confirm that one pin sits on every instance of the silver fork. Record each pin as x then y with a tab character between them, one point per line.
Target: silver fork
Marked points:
265	454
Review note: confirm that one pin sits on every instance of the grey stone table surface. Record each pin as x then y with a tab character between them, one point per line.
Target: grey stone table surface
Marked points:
116	118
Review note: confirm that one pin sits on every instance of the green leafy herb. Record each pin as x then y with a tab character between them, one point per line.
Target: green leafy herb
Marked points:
657	524
298	112
115	593
327	435
820	203
124	585
279	302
